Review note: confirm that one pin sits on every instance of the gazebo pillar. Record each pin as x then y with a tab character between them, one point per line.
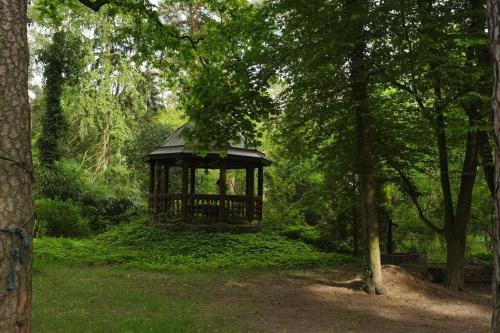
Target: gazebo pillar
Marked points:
192	180
166	185
184	194
250	190
260	182
222	192
156	187
151	186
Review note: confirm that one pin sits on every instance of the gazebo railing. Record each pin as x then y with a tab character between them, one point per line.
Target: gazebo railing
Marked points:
203	207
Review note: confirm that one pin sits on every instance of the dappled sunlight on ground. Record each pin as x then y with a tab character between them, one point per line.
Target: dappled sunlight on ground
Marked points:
330	301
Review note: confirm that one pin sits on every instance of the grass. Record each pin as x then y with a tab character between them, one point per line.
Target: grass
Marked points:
138	278
113	299
141	246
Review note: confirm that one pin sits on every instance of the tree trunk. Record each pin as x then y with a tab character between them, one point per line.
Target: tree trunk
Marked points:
231	186
355	229
487	162
442	144
16	205
456	232
106	150
494	34
366	167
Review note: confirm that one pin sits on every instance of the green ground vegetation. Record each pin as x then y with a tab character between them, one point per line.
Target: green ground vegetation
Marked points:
114	299
142	246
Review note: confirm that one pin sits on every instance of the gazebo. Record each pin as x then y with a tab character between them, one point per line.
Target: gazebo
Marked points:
191	208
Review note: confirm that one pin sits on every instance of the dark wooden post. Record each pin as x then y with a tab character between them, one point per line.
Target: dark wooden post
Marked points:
389	234
166	184
166	179
156	191
161	190
250	191
192	180
151	186
185	180
222	192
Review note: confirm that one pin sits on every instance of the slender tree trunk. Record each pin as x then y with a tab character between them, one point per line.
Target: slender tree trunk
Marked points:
456	233
454	247
16	206
487	161
368	186
106	153
494	34
444	174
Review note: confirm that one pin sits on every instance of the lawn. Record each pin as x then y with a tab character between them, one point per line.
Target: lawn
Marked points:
137	278
118	299
113	299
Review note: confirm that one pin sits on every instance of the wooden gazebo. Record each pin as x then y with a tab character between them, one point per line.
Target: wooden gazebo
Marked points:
189	207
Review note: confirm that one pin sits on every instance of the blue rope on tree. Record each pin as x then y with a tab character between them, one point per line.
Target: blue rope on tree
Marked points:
17	251
20	240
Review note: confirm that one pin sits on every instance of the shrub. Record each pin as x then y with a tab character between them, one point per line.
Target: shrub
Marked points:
303	232
59	218
106	198
63	181
114	203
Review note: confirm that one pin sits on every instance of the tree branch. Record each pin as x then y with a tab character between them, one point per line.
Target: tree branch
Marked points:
412	192
94	5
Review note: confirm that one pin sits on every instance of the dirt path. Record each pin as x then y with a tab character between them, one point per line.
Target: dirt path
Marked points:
327	301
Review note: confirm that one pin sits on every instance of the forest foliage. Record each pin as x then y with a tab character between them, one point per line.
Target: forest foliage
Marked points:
109	86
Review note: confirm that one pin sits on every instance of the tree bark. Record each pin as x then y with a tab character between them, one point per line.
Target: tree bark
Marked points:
494	35
16	205
456	233
367	181
105	156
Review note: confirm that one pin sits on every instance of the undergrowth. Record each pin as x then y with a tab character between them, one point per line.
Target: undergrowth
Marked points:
142	246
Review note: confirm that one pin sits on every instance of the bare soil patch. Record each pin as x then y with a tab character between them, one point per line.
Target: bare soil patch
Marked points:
328	301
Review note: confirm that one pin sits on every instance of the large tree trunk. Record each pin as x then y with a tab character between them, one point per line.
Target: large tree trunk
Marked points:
456	233
494	34
366	167
16	206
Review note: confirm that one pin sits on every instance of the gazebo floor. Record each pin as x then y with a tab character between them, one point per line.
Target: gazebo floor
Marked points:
210	227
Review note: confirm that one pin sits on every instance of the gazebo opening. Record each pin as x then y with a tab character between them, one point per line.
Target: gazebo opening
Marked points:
237	189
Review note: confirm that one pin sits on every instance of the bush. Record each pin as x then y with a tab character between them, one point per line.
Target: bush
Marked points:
104	199
63	181
115	203
59	219
302	232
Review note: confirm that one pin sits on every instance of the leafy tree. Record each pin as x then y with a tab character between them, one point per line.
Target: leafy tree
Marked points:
439	61
62	59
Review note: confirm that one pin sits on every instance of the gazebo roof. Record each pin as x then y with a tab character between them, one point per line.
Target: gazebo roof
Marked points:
174	147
